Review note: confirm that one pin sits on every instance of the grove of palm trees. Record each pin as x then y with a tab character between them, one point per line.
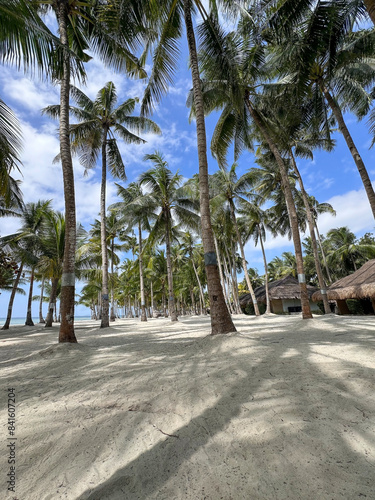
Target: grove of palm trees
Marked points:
164	167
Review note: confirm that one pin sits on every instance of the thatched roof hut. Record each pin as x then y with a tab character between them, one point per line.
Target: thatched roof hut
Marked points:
359	285
284	294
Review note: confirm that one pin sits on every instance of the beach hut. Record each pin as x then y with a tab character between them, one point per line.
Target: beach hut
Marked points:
285	296
359	285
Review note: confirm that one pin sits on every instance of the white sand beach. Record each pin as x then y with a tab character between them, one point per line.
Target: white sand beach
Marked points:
284	409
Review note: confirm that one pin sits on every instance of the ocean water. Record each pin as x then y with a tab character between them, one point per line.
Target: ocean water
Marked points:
21	321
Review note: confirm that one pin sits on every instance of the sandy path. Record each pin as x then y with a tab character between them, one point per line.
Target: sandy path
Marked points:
283	410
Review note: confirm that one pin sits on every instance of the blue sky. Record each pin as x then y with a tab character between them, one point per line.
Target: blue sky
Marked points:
330	177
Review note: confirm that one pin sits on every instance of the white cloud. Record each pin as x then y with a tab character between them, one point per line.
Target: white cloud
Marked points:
27	96
352	209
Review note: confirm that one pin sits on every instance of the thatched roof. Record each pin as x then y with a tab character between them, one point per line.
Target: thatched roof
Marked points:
284	289
359	285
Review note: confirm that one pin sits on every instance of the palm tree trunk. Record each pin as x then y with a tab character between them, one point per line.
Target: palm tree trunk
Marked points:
352	147
11	298
93	311
103	236
222	280
152	299
310	220
221	321
66	332
244	266
41	319
204	310
268	302
29	319
305	303
234	279
52	301
171	302
113	315
232	307
193	308
164	304
231	273
141	280
370	6
130	312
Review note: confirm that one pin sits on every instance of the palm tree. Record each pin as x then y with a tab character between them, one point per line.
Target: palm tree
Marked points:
189	246
345	252
230	188
29	245
133	212
169	24
81	25
18	256
164	194
51	262
253	222
100	123
337	68
232	65
114	229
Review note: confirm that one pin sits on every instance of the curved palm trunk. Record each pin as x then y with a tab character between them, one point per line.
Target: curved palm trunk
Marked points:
113	315
310	220
11	298
141	280
221	321
232	303
204	310
226	294
66	333
233	266
232	275
29	319
268	302
41	319
305	303
244	266
52	303
370	6
352	147
103	219
171	301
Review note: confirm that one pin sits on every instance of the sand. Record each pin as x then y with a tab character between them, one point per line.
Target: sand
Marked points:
284	409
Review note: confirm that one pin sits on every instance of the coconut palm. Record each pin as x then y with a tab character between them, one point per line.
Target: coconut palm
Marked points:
18	256
82	25
253	222
28	241
345	253
232	189
164	193
100	124
134	213
114	230
232	66
337	69
172	13
189	246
